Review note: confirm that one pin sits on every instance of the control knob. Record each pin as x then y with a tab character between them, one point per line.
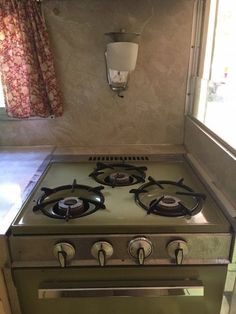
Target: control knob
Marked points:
177	250
64	252
140	248
102	250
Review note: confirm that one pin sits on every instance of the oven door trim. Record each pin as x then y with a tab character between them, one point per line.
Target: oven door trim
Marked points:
186	288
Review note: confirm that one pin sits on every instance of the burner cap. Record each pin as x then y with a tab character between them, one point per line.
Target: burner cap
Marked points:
73	205
120	178
70	202
169	201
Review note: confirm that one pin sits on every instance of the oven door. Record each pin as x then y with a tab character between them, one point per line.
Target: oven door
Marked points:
126	290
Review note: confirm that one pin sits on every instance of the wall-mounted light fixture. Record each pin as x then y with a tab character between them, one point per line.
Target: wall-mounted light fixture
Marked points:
121	57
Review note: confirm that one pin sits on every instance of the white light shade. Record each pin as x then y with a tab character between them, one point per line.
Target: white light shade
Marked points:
122	56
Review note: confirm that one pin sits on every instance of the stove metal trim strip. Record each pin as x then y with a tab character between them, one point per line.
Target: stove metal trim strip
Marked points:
114	263
175	288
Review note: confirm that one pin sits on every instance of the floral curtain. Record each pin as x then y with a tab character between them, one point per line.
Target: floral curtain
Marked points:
26	62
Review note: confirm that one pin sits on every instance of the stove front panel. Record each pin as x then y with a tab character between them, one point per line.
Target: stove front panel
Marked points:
122	214
39	251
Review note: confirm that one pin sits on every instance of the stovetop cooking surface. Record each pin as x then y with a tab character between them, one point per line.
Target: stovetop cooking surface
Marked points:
122	214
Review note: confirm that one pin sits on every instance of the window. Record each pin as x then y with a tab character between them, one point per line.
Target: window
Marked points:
215	85
27	65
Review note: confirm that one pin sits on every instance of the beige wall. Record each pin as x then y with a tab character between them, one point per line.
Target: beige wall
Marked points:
152	111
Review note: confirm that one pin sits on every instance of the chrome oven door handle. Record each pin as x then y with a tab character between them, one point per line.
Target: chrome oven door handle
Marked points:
176	288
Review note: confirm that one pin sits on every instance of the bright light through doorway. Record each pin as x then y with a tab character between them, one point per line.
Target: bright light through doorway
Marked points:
218	98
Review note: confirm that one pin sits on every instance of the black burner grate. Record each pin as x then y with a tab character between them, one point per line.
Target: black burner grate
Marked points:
118	174
70	201
168	198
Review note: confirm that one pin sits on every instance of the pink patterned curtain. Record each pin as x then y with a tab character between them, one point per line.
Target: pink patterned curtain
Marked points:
26	62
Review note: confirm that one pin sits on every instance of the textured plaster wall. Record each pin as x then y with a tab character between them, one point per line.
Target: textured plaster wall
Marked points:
152	111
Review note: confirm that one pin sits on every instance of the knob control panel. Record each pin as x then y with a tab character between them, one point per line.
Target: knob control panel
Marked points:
64	252
102	250
140	248
177	250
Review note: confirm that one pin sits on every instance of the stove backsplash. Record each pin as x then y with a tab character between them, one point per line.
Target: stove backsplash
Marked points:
219	164
152	110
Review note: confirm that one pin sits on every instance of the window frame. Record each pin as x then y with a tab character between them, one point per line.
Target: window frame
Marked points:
198	52
2	112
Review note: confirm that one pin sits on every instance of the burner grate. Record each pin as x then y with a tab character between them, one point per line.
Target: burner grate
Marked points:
168	198
118	174
70	201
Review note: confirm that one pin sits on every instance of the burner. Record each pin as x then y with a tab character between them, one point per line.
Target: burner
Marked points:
118	174
73	205
70	201
160	198
169	201
119	178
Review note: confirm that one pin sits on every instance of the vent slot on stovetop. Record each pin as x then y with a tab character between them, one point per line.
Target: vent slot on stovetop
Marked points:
118	158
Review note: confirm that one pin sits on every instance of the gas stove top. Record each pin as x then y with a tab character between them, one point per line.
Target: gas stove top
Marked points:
122	215
81	197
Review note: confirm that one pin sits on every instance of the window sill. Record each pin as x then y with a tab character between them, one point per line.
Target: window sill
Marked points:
5	117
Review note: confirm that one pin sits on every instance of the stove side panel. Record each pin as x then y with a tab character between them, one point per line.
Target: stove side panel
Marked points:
219	164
